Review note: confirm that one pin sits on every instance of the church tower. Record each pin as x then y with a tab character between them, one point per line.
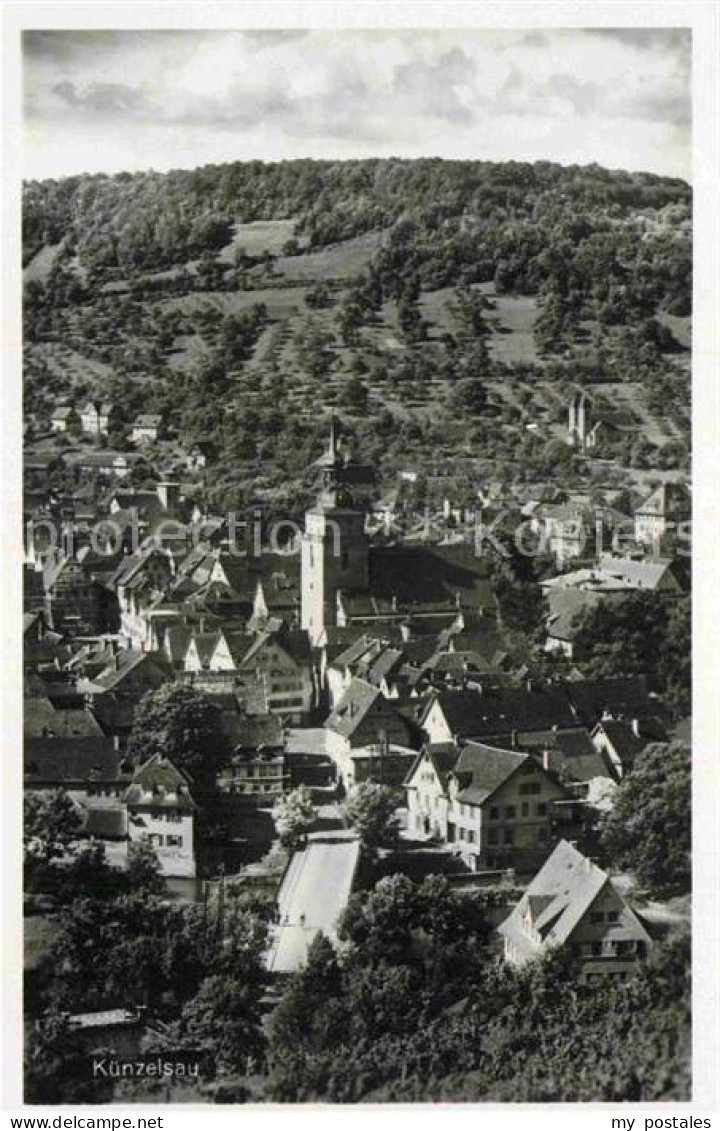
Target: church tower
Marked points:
335	547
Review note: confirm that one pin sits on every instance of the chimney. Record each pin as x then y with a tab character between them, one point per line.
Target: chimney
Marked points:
169	494
546	759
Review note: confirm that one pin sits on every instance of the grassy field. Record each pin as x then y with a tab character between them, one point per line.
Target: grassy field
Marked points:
258	237
680	327
281	302
70	364
338	261
40	265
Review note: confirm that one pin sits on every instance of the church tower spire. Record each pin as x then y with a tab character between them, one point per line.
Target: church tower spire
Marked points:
335	547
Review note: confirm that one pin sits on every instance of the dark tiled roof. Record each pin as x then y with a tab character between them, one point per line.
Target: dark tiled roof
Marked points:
256	731
483	769
56	761
435	575
474	714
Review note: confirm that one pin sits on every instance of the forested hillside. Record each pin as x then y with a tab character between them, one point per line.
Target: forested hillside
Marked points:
442	308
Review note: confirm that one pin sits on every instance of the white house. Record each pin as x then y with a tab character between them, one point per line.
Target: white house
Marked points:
161	809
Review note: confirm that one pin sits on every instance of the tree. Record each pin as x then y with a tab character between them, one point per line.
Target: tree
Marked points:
183	725
51	825
224	1019
294	815
642	634
649	827
371	810
56	1065
468	395
355	395
143	868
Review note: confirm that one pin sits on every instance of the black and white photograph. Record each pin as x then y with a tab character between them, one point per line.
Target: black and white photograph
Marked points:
357	543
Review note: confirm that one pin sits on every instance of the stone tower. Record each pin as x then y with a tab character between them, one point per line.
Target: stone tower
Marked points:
578	420
335	547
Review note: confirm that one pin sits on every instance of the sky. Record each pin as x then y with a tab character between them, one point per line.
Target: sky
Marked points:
107	101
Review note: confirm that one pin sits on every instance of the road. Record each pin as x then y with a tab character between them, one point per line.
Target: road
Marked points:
312	896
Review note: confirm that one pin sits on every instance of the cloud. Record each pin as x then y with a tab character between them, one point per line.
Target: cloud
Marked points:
173	98
107	99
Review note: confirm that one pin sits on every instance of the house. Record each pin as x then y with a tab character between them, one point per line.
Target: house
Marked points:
368	737
566	530
371	658
259	775
146	428
656	574
138	579
127	674
621	740
86	766
104	465
666	511
161	809
571	754
573	903
567	608
97	420
456	716
64	419
497	808
74	601
202	453
282	662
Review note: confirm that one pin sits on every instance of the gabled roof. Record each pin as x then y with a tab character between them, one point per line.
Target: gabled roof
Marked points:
474	714
481	770
358	700
625	741
123	663
640	574
560	895
669	500
62	760
176	640
442	756
205	645
161	778
254	732
434	576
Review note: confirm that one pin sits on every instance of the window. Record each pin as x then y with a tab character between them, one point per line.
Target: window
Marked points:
597	917
471	836
494	813
174	842
596	948
530	787
627	946
524	809
509	836
542	809
542	835
510	812
613	916
492	836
